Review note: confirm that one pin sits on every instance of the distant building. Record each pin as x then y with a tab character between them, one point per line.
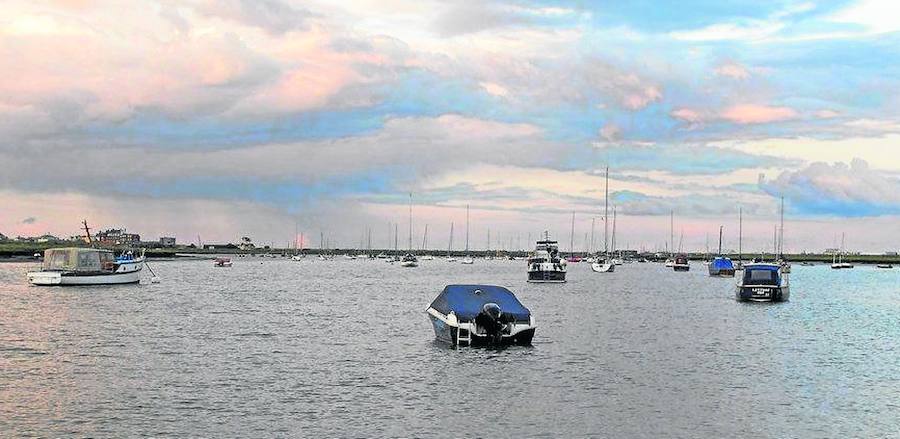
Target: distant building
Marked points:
117	237
167	241
890	253
219	246
829	251
47	238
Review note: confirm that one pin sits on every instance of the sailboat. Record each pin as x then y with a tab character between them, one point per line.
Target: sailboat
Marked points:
602	263
467	259
425	257
721	265
740	262
839	262
409	260
785	265
681	262
450	257
670	261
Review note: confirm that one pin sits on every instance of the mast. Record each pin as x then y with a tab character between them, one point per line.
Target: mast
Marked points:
720	239
572	236
740	233
450	245
606	214
672	230
591	248
90	241
410	221
489	241
467	229
781	237
425	239
396	238
614	230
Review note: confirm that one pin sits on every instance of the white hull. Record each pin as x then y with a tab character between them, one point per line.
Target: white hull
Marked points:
409	264
467	261
128	273
603	268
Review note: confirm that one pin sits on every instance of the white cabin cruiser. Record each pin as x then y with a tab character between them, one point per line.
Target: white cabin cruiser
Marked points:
603	264
409	260
545	265
87	266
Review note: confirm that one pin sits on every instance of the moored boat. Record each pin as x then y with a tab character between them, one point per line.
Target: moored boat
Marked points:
680	263
884	266
409	260
603	264
222	262
721	266
477	315
87	266
763	282
546	265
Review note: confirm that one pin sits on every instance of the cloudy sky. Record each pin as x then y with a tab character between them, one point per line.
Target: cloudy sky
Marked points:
224	118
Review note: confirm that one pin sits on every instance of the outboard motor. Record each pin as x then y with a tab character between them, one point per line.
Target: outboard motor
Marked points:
490	318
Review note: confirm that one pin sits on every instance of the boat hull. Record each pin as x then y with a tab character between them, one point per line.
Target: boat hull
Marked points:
678	267
55	278
762	293
547	276
603	268
447	332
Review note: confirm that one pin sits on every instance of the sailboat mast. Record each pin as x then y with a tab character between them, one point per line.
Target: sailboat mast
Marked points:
740	233
396	237
720	239
672	230
614	230
425	238
781	233
606	214
572	236
591	248
450	244
410	221
467	229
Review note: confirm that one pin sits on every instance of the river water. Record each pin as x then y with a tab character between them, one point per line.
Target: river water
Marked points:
343	348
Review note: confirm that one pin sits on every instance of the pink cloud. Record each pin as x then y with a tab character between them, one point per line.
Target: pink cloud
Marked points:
732	70
754	114
827	114
687	115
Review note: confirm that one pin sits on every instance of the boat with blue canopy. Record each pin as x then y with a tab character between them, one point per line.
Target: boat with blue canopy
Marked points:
476	315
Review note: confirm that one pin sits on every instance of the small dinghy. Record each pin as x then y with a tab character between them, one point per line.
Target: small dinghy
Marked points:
222	262
479	315
681	263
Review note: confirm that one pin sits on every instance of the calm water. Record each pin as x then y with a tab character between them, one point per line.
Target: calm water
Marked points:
343	348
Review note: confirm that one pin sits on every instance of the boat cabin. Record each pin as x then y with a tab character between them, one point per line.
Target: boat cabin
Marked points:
79	260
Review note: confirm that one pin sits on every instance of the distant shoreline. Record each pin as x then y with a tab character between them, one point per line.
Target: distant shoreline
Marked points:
18	252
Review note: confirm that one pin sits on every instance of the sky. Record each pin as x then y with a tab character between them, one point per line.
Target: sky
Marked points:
213	120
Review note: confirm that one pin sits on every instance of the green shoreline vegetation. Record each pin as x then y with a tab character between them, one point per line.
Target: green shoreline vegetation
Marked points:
18	251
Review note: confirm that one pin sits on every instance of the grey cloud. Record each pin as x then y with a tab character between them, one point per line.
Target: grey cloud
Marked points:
274	16
29	220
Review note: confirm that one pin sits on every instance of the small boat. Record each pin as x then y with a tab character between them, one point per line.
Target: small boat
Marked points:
763	282
670	263
427	258
884	266
350	257
222	262
681	263
837	259
721	266
298	257
603	265
467	260
87	266
573	259
382	256
478	315
546	265
409	260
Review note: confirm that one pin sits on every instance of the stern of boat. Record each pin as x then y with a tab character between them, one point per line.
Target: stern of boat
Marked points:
45	278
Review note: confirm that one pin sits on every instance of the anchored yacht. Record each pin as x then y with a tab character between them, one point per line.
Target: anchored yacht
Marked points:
546	265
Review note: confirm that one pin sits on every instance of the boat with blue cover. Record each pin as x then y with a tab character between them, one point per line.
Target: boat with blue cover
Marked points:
763	282
478	315
721	266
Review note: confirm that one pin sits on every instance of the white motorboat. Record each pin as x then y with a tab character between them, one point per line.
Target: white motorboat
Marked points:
479	315
546	265
87	266
426	258
409	260
222	262
467	260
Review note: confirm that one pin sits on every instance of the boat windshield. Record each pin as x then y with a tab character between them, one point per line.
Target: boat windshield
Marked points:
760	277
78	259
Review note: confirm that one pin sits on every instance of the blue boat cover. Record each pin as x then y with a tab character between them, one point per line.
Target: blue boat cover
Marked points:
467	300
721	263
